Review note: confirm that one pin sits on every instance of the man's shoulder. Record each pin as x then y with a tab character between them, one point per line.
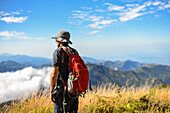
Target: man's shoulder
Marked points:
57	51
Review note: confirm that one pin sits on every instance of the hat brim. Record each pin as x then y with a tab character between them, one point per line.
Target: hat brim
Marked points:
60	39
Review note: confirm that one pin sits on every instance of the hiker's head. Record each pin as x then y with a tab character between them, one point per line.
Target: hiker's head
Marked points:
62	37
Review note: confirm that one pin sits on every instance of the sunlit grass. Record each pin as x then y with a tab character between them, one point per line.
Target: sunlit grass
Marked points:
104	98
37	103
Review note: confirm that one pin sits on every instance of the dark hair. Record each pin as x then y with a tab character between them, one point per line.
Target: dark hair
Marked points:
65	43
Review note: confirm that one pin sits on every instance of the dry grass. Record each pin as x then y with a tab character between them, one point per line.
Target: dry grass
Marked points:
37	103
107	94
113	96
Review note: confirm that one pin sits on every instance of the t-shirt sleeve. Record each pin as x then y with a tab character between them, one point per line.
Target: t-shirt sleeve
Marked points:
56	58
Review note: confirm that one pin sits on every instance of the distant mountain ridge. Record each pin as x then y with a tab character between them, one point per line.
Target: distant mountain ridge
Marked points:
121	65
36	61
24	59
147	74
100	74
91	60
161	72
11	66
42	62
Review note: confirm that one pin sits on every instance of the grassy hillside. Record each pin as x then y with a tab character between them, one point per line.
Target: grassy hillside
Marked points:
161	72
103	100
149	75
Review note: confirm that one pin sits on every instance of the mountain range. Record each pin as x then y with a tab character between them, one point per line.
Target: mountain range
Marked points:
37	62
125	73
147	74
24	59
121	65
11	66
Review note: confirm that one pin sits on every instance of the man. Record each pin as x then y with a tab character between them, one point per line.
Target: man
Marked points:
60	72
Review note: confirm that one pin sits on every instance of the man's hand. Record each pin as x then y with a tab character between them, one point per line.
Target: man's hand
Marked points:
52	99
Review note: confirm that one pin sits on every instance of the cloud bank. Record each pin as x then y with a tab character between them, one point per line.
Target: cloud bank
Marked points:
23	83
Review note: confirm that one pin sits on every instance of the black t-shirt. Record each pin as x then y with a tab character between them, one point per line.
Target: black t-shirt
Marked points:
61	59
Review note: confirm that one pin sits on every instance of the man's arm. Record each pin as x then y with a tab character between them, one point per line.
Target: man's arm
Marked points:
53	79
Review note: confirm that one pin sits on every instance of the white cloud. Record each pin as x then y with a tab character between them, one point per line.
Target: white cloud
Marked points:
101	24
2	13
8	35
161	8
136	4
75	11
144	9
157	15
164	6
148	3
23	83
10	17
95	18
167	6
29	11
133	13
86	7
85	16
130	5
151	11
156	3
100	10
93	32
114	7
5	14
14	19
124	13
16	13
80	15
108	4
162	3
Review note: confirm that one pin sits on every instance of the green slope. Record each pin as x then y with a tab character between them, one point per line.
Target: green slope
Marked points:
100	74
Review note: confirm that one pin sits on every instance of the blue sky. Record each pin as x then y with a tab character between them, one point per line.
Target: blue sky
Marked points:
102	29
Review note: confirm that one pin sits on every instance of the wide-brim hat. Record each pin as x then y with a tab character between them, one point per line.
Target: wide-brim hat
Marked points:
63	36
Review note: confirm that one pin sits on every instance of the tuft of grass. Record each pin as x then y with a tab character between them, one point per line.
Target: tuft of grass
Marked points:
37	103
106	98
131	100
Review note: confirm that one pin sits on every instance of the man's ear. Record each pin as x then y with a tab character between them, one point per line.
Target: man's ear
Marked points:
59	44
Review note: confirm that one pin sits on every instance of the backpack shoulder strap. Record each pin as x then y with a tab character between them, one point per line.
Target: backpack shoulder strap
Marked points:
68	50
73	51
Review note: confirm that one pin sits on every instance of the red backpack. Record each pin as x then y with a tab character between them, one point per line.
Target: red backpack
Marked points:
78	74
